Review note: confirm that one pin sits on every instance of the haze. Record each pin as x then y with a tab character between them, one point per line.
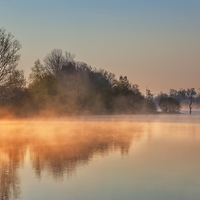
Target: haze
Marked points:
156	43
102	157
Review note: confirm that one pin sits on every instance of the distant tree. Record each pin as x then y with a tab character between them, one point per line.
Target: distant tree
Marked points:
150	105
190	93
13	91
101	78
128	98
182	94
122	87
187	97
8	55
159	96
149	95
42	86
38	71
56	61
169	105
174	94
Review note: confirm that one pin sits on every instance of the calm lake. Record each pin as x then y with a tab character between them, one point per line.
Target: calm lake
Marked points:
154	157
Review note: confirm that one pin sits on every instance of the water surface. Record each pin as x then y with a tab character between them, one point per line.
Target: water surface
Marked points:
155	157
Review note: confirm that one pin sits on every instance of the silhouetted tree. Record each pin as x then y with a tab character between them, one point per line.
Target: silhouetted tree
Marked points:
56	61
150	105
190	93
149	95
128	98
169	105
122	87
38	71
8	55
13	91
42	87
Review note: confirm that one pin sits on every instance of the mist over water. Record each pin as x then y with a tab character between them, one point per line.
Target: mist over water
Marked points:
101	157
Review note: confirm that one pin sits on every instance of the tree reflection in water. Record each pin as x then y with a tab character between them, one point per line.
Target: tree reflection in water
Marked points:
12	152
60	149
57	147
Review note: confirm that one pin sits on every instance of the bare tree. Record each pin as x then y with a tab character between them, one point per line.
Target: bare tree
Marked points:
190	93
55	61
8	55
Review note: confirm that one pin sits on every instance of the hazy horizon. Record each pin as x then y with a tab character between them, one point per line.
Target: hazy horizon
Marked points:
155	43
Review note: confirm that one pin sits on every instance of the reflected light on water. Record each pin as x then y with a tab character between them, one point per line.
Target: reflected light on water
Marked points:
154	150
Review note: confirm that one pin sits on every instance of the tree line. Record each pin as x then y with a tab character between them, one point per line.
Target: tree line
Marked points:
183	98
59	85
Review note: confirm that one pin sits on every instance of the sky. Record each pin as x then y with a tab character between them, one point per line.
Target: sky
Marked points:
155	43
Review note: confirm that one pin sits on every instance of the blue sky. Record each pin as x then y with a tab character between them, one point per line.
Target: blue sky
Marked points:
156	43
